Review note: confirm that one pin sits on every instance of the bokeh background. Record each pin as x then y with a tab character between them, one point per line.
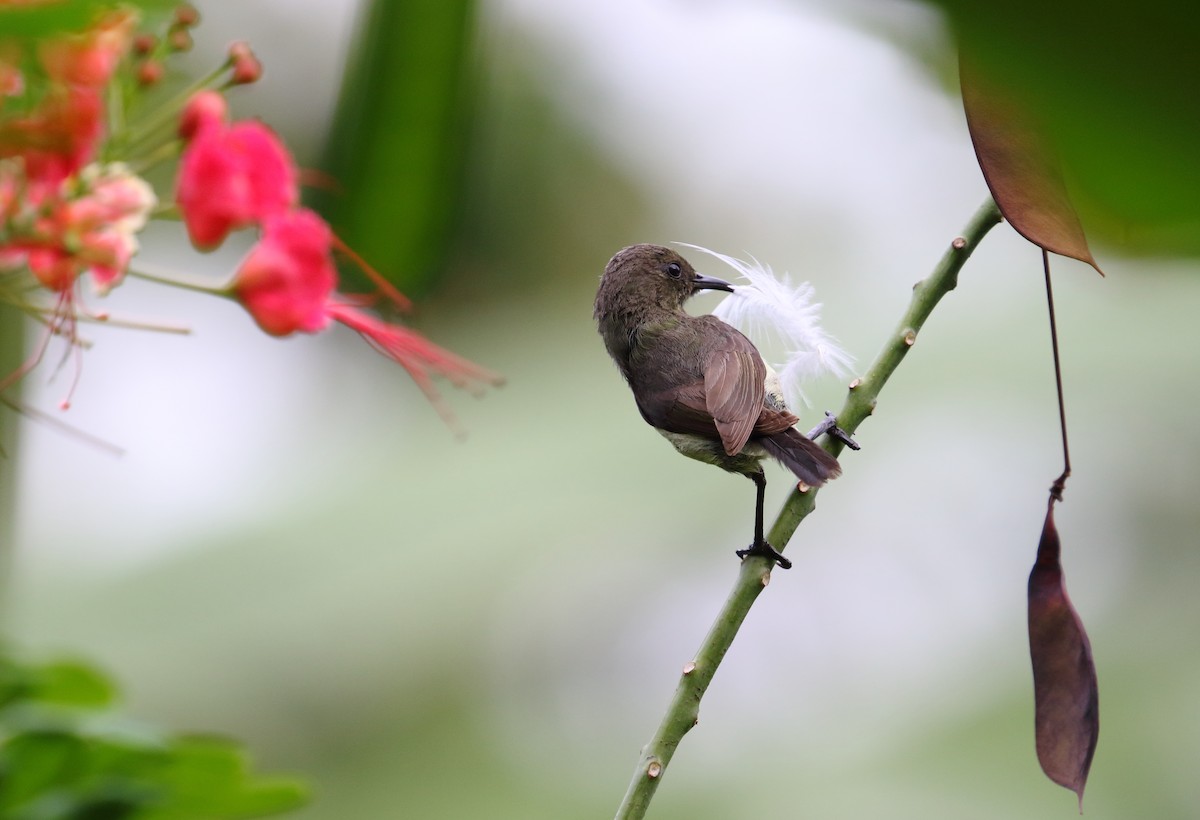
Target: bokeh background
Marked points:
294	550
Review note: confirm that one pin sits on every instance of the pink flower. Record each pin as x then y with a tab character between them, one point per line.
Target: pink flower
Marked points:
420	357
59	136
233	177
12	82
54	268
205	109
289	275
287	284
88	225
113	197
89	59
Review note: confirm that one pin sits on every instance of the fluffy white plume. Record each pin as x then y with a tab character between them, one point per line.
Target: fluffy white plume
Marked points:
774	313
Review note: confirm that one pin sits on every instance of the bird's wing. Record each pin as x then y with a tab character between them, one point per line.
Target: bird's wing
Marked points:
686	410
728	403
735	391
680	410
733	394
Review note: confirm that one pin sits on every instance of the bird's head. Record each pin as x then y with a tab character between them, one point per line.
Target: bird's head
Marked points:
644	278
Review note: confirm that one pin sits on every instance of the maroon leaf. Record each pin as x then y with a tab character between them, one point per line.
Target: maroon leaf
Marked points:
1021	168
1066	699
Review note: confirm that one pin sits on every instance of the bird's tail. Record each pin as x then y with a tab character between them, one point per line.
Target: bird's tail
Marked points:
802	456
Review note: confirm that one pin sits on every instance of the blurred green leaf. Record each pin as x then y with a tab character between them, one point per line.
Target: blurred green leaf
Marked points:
208	777
1022	172
61	683
48	19
397	148
63	755
36	762
71	683
1114	87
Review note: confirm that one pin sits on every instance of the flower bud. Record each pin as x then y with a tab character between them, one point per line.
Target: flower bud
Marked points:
149	72
186	15
203	110
179	39
246	67
144	44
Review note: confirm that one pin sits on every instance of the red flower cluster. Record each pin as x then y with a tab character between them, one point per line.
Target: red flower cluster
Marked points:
59	136
287	279
58	215
86	223
240	175
64	215
230	176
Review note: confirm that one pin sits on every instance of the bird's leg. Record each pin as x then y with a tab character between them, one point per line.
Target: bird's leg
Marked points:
760	545
829	425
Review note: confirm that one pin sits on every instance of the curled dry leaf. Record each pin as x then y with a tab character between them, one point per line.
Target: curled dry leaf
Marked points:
1066	699
1021	168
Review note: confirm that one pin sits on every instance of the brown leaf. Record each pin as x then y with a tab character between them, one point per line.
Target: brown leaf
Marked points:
1021	168
1066	698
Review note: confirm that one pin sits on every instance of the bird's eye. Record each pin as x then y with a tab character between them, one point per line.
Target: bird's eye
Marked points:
674	271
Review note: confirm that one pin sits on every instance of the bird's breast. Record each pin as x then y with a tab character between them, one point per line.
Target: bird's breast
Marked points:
710	451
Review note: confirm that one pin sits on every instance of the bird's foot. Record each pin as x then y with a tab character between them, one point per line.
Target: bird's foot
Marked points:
829	426
765	550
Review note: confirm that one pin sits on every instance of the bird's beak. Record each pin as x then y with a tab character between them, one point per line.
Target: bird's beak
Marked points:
702	282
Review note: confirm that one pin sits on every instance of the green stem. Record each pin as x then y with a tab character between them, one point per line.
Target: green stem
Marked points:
12	334
162	124
684	708
168	150
197	285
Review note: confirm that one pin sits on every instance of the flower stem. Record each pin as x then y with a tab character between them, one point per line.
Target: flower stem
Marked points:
218	289
168	150
161	125
754	574
12	333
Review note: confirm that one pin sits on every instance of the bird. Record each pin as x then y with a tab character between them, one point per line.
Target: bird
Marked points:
699	381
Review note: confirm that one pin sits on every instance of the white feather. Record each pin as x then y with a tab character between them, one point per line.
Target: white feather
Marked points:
775	313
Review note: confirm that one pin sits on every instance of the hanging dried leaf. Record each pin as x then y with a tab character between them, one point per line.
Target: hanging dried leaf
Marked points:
1021	169
1067	716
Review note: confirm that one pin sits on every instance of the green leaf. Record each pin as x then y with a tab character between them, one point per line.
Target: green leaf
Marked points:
64	755
1113	86
60	683
36	762
1021	168
397	149
208	777
49	19
71	683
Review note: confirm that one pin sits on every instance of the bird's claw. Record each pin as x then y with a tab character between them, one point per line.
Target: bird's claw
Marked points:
764	550
829	426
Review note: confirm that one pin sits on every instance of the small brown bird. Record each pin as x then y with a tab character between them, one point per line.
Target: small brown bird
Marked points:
697	380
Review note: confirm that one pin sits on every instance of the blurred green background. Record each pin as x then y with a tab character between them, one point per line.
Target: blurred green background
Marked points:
295	551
